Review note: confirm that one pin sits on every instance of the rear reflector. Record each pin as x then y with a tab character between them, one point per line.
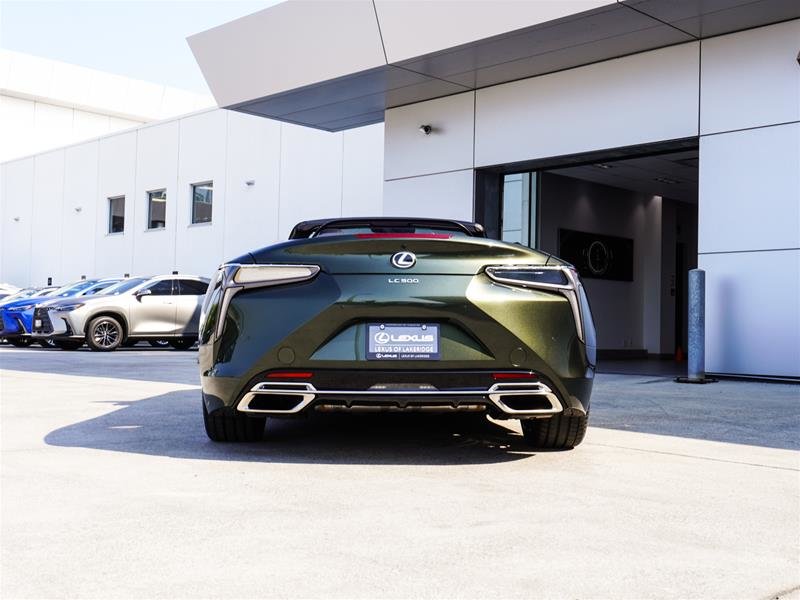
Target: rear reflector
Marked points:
290	375
506	376
394	236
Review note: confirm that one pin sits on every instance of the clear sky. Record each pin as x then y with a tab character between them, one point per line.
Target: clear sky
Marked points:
143	39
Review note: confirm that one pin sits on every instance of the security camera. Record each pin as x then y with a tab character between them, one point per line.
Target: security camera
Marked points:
425	129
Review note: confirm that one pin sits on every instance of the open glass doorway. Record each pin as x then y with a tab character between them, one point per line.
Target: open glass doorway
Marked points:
518	216
629	225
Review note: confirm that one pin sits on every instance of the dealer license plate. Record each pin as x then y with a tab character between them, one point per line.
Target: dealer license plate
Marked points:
402	341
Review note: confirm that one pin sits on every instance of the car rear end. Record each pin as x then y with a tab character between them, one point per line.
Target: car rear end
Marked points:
434	321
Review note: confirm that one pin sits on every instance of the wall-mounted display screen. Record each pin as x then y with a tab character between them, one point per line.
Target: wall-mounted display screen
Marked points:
597	256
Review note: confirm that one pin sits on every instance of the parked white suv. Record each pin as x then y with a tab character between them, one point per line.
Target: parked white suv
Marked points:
166	307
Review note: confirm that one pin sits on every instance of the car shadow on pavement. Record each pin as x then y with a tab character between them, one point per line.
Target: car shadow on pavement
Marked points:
171	425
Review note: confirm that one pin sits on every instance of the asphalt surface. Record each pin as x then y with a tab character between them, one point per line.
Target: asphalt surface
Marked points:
110	489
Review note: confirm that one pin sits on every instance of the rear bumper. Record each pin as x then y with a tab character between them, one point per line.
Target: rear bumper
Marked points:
513	400
514	394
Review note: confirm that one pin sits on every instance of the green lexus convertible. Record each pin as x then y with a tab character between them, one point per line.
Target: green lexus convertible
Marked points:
397	314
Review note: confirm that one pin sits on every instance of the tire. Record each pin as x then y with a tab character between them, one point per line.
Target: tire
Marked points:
556	433
68	344
230	427
158	343
182	343
19	342
46	343
104	334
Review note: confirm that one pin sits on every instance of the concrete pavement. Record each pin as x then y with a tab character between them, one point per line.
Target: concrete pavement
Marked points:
111	489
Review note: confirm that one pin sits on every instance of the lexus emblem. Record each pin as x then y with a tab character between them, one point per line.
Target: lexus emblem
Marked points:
404	260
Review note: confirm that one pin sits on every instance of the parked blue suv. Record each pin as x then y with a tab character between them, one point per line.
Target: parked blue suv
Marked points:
17	316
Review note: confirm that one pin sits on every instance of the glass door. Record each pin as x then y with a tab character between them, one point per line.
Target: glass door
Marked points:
518	215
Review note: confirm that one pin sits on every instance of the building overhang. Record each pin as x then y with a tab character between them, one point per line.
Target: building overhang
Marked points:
339	64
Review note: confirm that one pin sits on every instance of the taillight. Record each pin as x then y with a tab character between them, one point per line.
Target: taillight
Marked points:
513	376
531	276
562	279
273	274
290	375
394	236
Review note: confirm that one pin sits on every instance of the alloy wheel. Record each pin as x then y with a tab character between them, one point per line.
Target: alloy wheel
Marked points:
105	334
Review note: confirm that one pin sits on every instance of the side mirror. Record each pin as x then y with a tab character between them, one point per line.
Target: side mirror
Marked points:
141	293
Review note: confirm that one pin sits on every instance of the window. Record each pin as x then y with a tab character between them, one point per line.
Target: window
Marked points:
518	218
192	287
202	201
161	288
116	214
157	209
210	313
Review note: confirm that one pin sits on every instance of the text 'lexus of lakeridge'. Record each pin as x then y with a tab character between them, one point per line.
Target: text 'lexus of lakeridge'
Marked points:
397	314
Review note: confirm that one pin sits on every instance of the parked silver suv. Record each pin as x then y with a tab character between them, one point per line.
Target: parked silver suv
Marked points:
166	307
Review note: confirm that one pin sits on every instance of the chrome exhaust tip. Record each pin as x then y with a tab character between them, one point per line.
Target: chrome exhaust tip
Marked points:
525	399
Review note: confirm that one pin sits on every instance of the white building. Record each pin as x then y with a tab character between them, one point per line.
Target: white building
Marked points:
45	104
637	138
123	203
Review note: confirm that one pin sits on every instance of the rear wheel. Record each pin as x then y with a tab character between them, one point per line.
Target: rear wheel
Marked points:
158	343
19	342
46	343
223	426
104	334
182	343
68	344
556	433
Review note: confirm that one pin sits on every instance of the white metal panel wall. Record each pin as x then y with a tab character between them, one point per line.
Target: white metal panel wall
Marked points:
750	190
48	197
203	146
251	211
412	28
116	176
446	195
751	78
16	123
17	190
311	176
749	208
78	218
753	312
642	98
362	171
447	148
345	34
156	169
298	174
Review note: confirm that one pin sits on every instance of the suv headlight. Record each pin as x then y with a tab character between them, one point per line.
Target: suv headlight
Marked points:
68	307
22	308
